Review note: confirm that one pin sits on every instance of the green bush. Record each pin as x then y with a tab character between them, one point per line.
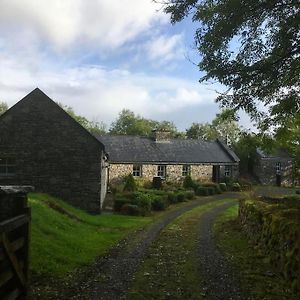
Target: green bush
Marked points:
159	203
130	209
211	190
298	192
236	187
223	186
130	185
172	197
189	195
188	182
119	202
202	191
180	197
143	201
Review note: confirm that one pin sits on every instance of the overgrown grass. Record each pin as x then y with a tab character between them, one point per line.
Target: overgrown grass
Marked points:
65	238
256	274
170	270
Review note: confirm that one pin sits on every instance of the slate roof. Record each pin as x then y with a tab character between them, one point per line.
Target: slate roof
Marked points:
275	153
135	149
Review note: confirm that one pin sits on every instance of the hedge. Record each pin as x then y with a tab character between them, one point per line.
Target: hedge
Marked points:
275	229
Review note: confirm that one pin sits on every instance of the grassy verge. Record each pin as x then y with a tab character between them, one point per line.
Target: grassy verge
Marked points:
256	274
169	270
65	238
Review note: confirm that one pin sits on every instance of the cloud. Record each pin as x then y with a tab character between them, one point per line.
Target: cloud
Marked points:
105	23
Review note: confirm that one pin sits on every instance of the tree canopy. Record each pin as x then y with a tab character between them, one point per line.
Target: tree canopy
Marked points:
253	48
128	123
3	107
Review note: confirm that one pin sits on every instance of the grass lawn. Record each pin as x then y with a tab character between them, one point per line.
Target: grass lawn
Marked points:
256	274
65	238
169	270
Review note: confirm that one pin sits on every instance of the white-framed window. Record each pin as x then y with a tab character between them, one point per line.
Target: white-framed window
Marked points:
137	170
228	171
278	167
7	166
161	171
186	170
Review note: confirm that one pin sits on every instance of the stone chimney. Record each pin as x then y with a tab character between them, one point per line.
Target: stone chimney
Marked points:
161	136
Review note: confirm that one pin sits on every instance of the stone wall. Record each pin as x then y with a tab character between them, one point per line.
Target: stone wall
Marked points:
265	171
51	152
202	172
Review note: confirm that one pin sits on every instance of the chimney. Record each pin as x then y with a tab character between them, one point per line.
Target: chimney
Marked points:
161	136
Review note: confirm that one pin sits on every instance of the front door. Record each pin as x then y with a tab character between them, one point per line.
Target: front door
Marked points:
216	174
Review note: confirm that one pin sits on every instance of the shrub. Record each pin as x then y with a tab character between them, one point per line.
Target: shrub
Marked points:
158	203
211	190
180	197
130	209
172	197
298	192
189	195
188	182
143	200
157	182
119	202
130	185
202	191
236	187
223	186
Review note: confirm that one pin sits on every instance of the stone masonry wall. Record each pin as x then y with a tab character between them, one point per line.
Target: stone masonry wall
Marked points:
51	152
265	170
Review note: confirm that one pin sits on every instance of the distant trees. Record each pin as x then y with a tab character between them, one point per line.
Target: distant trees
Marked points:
128	123
93	127
3	107
223	126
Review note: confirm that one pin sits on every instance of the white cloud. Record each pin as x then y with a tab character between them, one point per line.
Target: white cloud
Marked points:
105	23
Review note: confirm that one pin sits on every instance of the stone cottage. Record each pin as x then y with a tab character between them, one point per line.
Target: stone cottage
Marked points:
171	159
275	168
42	146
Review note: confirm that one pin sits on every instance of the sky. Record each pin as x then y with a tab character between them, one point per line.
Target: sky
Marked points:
101	56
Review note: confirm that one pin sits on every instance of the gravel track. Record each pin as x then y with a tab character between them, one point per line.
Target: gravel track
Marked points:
110	276
218	278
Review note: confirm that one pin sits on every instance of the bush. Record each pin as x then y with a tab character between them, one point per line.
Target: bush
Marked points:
172	197
223	186
211	190
119	202
158	203
236	187
130	209
298	192
188	182
202	191
180	197
130	185
143	200
189	195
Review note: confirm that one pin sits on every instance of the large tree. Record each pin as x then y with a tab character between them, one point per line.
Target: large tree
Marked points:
251	47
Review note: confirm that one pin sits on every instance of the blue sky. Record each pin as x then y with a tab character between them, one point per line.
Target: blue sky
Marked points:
100	56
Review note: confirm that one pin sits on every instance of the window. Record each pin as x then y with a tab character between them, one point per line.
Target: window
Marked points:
7	166
227	171
137	170
186	170
278	167
161	171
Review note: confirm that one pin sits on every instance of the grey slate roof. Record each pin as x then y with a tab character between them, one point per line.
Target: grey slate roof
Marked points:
135	149
276	153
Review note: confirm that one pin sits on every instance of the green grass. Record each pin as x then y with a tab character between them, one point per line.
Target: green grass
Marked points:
256	274
60	243
170	270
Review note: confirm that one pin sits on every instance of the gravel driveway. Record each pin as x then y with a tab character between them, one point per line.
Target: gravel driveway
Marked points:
109	277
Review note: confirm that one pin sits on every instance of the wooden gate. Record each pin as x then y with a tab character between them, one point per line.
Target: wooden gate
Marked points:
14	242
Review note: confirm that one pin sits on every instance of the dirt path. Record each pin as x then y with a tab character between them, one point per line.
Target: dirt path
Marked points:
218	278
110	276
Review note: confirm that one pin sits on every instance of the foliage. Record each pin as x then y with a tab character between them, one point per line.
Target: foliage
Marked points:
94	127
236	187
223	186
159	203
130	185
128	123
180	197
202	191
3	107
188	182
252	47
223	126
55	235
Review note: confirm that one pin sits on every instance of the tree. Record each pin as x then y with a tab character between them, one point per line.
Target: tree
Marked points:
3	107
253	48
223	126
94	127
128	123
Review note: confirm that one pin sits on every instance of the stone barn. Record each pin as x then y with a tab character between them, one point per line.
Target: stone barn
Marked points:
171	159
275	168
42	146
